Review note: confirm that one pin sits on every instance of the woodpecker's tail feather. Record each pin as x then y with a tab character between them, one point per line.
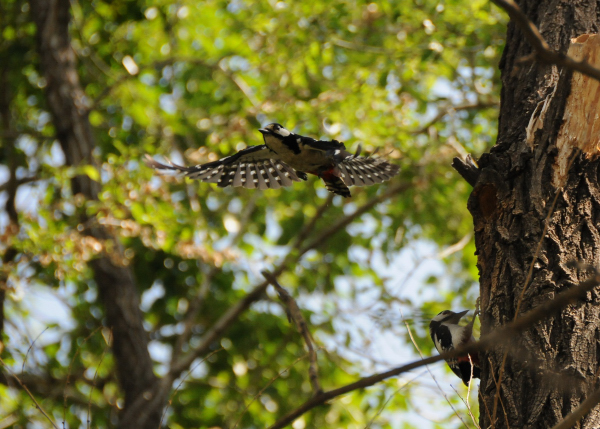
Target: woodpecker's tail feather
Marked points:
262	174
361	171
164	168
336	185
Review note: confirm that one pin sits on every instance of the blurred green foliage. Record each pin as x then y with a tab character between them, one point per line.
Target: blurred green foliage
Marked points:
193	81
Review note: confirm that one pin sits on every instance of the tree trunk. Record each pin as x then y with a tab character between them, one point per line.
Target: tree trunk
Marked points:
117	289
530	175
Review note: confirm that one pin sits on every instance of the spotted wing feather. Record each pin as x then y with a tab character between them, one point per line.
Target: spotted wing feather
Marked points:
362	171
256	167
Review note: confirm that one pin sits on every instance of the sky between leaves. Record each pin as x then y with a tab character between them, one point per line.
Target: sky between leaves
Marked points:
193	81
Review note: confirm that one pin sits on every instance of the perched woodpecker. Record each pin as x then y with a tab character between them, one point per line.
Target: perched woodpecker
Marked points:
448	335
287	157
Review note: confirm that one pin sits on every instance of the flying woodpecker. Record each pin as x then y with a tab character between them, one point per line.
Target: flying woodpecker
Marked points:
286	158
448	335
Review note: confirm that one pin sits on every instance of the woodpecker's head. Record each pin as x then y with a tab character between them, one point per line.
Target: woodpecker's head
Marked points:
448	317
275	130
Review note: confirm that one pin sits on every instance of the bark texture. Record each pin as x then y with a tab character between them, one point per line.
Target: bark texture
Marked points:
510	202
116	285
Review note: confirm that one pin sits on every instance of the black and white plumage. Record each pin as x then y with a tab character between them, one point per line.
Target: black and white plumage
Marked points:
448	335
286	158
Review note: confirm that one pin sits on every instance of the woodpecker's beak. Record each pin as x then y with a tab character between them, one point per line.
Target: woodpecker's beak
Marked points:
457	316
264	131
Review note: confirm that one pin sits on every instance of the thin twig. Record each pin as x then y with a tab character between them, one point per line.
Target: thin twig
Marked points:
271	381
501	402
170	401
30	347
67	381
309	227
433	377
394	393
467	406
345	221
469	391
89	412
295	315
37	404
543	53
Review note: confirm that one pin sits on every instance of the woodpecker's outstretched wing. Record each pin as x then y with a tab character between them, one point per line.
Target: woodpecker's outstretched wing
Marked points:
361	171
253	167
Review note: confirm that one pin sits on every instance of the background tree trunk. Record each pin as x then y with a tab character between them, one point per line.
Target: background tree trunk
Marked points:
116	286
551	369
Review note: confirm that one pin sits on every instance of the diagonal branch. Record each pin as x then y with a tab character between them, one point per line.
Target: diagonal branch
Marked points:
37	404
294	314
543	53
232	314
346	220
501	335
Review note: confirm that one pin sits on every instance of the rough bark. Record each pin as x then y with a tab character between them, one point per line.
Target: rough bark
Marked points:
116	285
511	199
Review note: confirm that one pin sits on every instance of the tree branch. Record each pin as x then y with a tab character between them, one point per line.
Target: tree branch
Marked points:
295	315
501	335
543	53
346	220
468	169
37	404
232	314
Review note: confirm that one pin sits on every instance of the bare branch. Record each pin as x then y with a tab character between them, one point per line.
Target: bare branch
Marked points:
412	339
498	336
309	227
345	221
232	314
467	168
259	394
183	379
6	186
294	314
543	53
